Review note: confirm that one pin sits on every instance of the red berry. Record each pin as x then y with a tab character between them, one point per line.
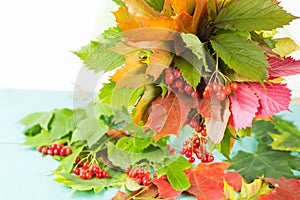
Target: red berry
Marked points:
56	152
45	150
82	175
180	90
168	71
210	158
53	146
146	182
179	83
206	94
39	149
76	171
193	123
196	142
234	86
227	90
195	94
208	88
139	181
59	146
192	160
203	133
68	151
62	152
50	152
204	140
105	174
78	159
221	95
177	74
99	175
85	165
89	175
169	78
217	87
204	159
127	170
188	89
189	153
183	150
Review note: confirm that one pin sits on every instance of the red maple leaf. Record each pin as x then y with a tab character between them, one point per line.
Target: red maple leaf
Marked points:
165	189
273	98
284	189
286	67
168	114
207	180
243	106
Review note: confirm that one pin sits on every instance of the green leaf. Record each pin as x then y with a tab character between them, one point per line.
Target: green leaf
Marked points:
86	50
38	118
89	130
32	131
265	162
224	146
68	162
156	4
100	57
41	139
289	137
95	184
119	2
249	15
62	124
175	173
134	144
105	94
265	41
261	128
242	55
190	73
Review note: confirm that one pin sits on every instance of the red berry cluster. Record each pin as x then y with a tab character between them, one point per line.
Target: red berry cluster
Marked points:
86	170
219	89
55	150
196	145
140	175
174	79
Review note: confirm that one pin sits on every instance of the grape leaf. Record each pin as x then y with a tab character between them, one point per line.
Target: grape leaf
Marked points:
100	57
262	163
39	118
41	139
190	72
68	162
285	46
249	191
168	114
105	94
97	185
62	124
286	67
215	127
165	190
284	189
241	55
175	173
250	15
289	137
207	180
243	106
86	50
273	98
89	130
151	92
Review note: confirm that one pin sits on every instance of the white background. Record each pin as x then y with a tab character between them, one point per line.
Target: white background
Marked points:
37	37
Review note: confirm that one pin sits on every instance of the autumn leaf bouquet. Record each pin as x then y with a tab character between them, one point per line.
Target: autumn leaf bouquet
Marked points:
193	82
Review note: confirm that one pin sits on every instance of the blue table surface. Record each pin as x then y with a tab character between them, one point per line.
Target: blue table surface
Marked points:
24	173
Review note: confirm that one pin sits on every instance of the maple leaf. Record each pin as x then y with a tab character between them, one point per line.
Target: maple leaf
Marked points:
284	189
207	180
249	191
168	114
165	190
273	98
283	67
243	106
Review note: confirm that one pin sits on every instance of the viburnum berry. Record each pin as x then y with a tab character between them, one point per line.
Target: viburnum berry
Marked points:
195	94
169	78
68	151
221	95
140	175
177	74
227	89
234	86
44	150
55	149
206	94
63	152
192	160
39	149
76	171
